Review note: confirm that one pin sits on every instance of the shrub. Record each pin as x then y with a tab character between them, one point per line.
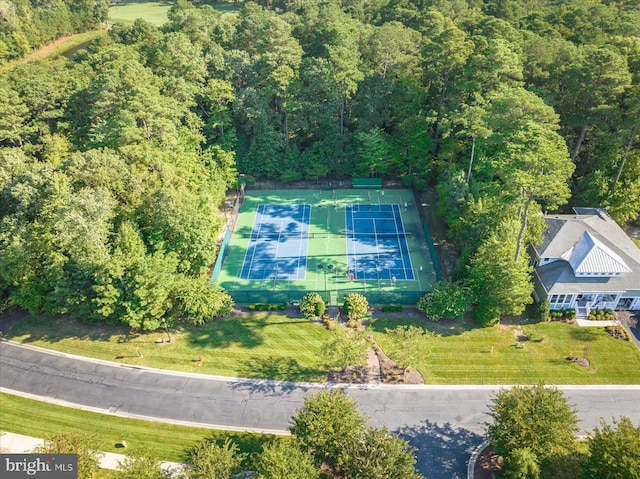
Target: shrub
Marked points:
556	314
617	332
570	313
252	307
282	307
355	307
446	300
486	316
399	308
312	305
542	310
601	315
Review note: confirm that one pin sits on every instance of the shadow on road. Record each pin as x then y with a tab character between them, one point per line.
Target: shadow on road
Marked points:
267	386
443	451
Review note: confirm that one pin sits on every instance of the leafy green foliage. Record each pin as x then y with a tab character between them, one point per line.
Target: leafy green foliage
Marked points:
141	464
209	459
312	305
86	446
346	347
378	454
522	464
535	417
410	344
326	423
542	310
355	307
445	300
614	450
285	460
501	285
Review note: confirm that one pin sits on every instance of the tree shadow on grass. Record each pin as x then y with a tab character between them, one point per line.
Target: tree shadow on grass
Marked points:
443	451
585	333
445	327
52	329
220	334
283	375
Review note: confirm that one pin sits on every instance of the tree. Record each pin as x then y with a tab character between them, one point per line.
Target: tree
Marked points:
208	459
534	417
346	347
141	464
325	423
378	454
312	305
284	459
605	75
198	302
500	284
355	307
411	342
614	450
522	464
374	152
537	166
445	53
86	446
445	300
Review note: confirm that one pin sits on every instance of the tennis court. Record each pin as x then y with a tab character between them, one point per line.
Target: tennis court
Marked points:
278	243
288	243
376	243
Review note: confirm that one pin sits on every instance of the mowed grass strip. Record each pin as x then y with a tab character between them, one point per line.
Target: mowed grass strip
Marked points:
463	353
263	345
169	442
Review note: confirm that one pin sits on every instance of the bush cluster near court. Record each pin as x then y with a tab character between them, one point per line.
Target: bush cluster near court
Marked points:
267	307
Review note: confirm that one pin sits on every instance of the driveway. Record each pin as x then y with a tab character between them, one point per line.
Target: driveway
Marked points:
444	423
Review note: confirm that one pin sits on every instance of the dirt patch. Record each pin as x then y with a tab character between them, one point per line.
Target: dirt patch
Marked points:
488	464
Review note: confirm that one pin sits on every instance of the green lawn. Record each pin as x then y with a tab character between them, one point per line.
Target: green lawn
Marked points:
128	11
275	346
264	345
169	442
463	353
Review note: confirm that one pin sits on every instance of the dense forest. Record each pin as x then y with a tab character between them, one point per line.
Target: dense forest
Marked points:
26	25
113	165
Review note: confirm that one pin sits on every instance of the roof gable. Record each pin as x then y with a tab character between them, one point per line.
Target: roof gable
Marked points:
590	256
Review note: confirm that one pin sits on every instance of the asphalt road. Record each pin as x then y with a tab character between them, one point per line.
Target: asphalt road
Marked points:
445	423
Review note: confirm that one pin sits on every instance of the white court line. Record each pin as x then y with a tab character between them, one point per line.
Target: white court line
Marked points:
246	253
405	242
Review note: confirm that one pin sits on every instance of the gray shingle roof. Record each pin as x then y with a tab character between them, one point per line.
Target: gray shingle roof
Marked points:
611	245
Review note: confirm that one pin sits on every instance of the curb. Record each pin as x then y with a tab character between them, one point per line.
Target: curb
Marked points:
474	457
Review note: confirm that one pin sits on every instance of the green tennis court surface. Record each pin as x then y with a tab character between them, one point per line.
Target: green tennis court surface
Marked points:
288	243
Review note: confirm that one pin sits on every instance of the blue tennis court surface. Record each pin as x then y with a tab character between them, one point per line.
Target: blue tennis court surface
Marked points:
376	243
278	243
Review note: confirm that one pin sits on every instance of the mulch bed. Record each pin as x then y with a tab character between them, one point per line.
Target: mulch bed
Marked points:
488	464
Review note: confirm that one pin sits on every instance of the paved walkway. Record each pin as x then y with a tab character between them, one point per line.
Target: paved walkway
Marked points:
19	443
599	324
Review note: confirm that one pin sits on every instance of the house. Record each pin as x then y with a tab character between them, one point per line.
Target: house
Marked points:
586	261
